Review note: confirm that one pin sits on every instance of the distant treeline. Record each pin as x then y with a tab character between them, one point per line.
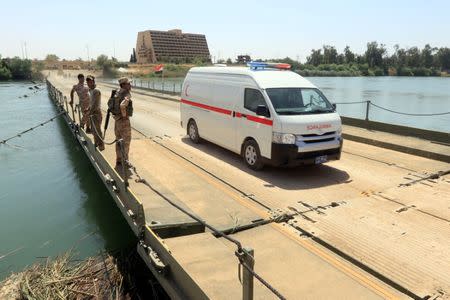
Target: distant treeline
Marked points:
429	61
15	68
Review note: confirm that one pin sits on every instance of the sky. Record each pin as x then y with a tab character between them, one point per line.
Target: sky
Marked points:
263	29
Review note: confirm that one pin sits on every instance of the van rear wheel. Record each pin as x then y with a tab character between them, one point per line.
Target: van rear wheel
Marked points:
252	155
193	132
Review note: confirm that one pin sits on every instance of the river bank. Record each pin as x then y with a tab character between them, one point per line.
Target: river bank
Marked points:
325	70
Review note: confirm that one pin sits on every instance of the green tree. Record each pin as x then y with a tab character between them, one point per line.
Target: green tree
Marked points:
399	57
329	54
427	56
316	57
20	68
102	61
413	57
51	58
5	73
133	58
349	55
443	58
374	54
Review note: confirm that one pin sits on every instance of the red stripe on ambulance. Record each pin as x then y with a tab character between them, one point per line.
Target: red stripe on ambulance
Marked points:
212	108
229	112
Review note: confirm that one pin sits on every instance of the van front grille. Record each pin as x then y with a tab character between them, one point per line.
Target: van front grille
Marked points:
314	135
318	141
317	138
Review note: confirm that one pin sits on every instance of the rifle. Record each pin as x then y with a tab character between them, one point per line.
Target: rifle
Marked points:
108	114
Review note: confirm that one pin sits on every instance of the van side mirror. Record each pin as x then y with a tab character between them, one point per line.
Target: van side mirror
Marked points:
334	105
262	110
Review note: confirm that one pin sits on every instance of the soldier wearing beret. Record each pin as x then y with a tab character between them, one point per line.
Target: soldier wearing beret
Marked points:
122	126
95	112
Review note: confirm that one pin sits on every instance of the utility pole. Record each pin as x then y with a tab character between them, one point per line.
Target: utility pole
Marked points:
26	51
21	47
87	49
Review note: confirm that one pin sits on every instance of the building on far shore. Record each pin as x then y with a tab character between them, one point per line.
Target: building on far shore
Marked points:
170	46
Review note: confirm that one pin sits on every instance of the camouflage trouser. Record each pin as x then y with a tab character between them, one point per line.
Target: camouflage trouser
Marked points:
122	129
97	132
84	105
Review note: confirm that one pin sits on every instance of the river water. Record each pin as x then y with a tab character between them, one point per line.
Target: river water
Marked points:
411	95
51	199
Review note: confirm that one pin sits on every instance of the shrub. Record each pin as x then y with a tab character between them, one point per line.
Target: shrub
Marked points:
421	72
378	72
5	74
109	72
405	71
392	71
435	72
20	68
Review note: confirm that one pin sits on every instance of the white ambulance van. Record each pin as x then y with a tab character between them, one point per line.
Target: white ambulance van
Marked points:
264	112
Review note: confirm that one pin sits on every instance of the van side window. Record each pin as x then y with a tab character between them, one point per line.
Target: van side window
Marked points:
252	99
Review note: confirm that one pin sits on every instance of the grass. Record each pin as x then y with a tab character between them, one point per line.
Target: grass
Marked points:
122	275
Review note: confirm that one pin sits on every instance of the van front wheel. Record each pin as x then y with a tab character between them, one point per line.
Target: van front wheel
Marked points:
193	132
252	155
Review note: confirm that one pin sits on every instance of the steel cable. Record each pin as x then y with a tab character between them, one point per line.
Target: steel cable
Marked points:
410	114
216	231
355	102
265	283
213	229
393	111
98	135
32	128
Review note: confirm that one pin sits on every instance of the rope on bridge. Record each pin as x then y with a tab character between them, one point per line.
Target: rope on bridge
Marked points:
99	135
355	102
394	111
410	114
32	128
238	244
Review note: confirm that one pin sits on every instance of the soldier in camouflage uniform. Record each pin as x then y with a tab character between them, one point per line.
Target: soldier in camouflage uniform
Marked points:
95	112
83	96
122	127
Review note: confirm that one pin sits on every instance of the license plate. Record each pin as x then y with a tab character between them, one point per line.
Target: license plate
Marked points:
321	159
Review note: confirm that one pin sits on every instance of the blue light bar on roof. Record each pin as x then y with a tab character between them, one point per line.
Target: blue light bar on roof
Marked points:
255	65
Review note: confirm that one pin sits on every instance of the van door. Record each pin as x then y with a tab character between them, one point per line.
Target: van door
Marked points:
249	124
224	97
197	98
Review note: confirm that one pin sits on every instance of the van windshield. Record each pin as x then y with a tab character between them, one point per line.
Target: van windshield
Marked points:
296	101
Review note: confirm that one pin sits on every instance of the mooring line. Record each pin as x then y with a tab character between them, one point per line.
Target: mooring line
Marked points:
32	128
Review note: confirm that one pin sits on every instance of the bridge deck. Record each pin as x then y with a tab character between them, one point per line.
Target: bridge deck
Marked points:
374	209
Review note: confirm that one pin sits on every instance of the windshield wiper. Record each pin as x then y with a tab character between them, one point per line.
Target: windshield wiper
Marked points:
290	112
327	110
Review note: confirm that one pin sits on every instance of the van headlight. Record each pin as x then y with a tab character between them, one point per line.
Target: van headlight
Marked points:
283	138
